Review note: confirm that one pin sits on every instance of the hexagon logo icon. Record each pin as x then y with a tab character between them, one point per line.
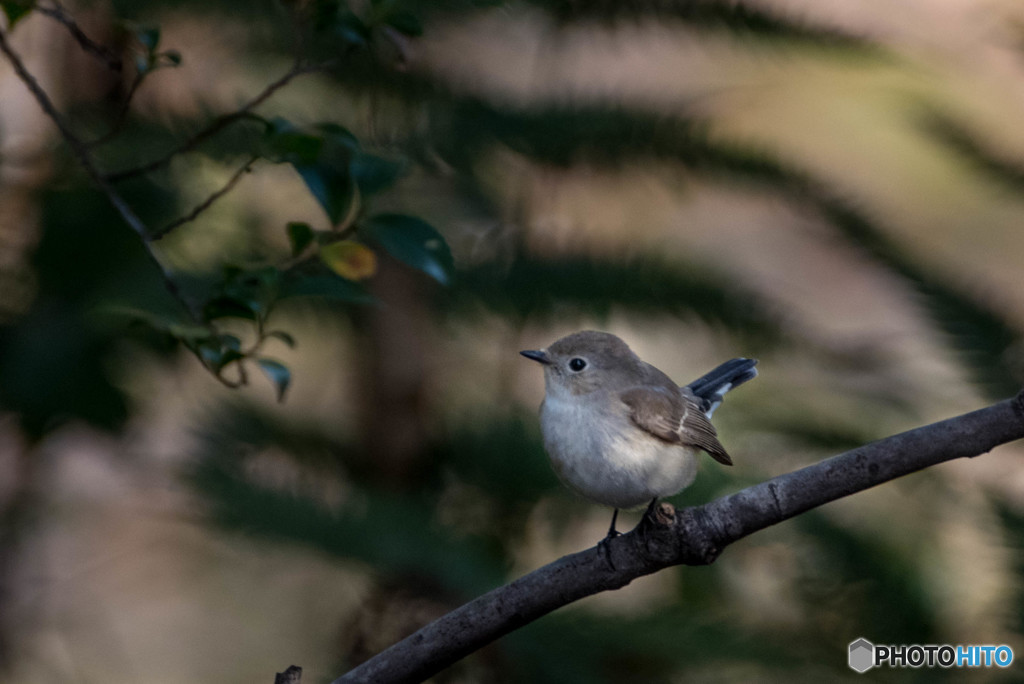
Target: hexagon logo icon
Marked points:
862	655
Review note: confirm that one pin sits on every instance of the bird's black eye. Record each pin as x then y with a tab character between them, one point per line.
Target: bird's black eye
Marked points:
577	364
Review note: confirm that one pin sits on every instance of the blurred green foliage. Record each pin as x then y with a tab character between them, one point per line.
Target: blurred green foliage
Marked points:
453	527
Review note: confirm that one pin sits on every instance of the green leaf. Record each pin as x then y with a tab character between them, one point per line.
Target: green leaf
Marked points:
284	142
332	185
229	356
405	22
173	57
300	235
373	174
283	336
278	374
412	241
351	29
266	277
231	307
327	286
323	158
243	293
15	11
189	333
149	37
324	13
117	314
231	342
349	259
211	355
337	136
325	237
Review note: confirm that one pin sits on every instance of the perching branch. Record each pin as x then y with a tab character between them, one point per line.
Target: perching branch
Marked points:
691	536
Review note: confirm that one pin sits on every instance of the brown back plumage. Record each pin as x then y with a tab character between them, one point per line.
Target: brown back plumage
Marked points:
674	417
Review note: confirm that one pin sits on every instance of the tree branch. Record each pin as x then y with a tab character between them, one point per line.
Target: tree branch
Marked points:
691	536
122	112
81	152
218	124
101	52
205	204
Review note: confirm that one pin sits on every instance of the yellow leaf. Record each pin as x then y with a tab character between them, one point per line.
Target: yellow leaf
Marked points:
349	259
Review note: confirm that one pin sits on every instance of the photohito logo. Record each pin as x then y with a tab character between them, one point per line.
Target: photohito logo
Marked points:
865	655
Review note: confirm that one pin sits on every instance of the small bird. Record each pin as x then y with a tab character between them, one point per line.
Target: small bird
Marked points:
618	430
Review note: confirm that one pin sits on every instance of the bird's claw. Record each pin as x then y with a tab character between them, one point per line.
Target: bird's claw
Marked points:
604	549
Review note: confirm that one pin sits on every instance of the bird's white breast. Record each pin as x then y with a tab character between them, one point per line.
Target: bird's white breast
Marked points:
598	451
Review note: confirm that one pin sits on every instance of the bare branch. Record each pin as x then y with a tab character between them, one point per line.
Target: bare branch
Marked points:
218	124
205	204
691	536
101	52
122	112
81	152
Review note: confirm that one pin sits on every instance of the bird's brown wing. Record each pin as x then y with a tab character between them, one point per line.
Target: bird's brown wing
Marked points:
674	417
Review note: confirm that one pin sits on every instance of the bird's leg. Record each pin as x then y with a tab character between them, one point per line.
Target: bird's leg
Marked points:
612	532
602	546
647	519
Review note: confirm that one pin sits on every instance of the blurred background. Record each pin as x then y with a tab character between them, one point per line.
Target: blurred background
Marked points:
833	187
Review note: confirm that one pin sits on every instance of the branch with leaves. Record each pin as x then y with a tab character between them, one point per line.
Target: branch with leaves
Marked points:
81	152
691	536
219	124
59	13
339	173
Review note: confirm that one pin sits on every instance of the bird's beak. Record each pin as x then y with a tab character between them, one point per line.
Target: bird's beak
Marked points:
538	355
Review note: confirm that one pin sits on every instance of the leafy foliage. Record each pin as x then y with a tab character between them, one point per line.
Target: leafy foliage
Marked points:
412	241
342	177
982	336
460	522
150	59
56	360
407	541
15	10
986	161
532	288
729	17
984	339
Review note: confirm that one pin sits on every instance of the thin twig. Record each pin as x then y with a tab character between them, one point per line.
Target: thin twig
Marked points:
219	123
122	112
691	536
101	52
205	204
80	151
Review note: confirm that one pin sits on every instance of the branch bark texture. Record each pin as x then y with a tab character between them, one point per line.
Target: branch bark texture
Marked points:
691	536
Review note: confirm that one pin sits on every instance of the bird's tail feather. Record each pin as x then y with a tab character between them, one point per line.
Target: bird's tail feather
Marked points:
712	386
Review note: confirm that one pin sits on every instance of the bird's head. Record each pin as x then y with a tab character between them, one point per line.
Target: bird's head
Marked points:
585	362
